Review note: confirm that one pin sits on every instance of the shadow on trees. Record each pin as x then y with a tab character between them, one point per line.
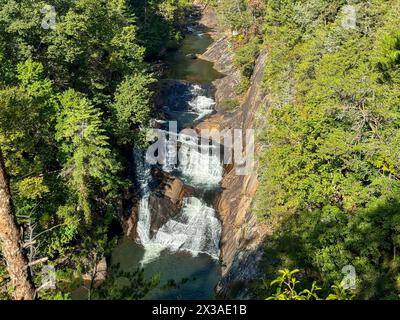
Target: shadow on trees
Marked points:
155	31
322	242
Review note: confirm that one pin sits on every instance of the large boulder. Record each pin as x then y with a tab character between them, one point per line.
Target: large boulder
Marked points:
165	203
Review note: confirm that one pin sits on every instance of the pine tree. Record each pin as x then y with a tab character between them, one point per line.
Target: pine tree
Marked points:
10	241
89	164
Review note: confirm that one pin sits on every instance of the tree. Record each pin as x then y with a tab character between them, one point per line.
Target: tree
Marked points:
72	100
329	169
10	241
89	165
123	285
132	107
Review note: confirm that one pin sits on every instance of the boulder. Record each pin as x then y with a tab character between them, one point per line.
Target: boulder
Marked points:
100	273
166	201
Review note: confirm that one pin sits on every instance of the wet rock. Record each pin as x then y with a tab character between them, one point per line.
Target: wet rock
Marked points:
172	187
166	202
221	54
130	223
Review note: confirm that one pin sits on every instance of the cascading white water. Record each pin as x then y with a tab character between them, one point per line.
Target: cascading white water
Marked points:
200	104
197	163
171	154
143	176
196	230
199	167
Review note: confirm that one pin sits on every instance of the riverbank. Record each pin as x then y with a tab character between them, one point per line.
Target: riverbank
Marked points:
242	233
173	219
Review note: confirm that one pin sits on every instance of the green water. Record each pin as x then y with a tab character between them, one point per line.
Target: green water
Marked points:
181	67
194	277
201	273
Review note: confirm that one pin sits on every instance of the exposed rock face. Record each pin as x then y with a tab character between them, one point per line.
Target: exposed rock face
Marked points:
164	203
221	54
130	223
242	233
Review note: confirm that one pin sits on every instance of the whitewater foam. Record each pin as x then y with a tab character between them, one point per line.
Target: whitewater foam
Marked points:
196	230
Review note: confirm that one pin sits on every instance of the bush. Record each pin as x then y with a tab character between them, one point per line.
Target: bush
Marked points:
242	86
230	104
246	56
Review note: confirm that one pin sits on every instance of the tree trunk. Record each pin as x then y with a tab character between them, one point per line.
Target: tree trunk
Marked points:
10	242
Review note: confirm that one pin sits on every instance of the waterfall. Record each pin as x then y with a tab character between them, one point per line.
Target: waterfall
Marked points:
143	176
200	104
199	168
196	230
170	156
197	164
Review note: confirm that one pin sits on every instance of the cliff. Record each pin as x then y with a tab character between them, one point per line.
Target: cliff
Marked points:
242	233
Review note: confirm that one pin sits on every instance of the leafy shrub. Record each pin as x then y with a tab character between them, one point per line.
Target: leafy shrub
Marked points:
246	56
230	104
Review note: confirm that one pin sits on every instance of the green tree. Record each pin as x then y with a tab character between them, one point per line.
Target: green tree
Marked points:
329	167
132	107
90	165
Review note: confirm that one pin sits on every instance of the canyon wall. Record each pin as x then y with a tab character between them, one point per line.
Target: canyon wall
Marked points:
242	233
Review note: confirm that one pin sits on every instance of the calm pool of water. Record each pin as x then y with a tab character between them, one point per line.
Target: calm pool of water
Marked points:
181	67
200	274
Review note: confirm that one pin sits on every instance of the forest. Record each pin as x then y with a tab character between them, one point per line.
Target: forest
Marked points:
75	100
329	137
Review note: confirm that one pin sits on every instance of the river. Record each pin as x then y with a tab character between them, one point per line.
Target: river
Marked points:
185	250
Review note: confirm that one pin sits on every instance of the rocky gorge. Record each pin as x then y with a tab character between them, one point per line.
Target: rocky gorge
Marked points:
242	234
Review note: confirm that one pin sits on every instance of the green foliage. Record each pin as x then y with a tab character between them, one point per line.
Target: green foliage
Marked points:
121	285
246	56
244	18
132	106
85	146
159	22
236	14
329	167
230	104
242	86
286	289
72	100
